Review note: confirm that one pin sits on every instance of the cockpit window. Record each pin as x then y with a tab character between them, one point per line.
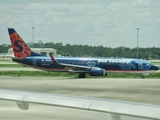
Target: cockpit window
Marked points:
148	64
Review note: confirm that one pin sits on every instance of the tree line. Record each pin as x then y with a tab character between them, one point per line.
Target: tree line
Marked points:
95	51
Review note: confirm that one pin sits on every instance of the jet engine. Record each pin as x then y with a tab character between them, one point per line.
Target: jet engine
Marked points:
97	72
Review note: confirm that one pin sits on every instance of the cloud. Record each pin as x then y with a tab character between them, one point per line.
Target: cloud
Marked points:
104	22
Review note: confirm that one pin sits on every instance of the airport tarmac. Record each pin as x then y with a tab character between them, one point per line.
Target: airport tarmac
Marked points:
135	90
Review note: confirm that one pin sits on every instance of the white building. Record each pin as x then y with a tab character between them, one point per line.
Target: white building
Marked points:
44	51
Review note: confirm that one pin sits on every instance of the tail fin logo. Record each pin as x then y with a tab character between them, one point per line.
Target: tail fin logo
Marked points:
20	48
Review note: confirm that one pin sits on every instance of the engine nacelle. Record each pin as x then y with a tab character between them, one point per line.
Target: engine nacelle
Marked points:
97	72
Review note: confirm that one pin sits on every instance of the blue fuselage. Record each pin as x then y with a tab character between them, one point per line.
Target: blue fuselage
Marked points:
109	64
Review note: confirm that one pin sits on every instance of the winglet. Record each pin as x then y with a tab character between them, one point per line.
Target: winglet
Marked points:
69	55
52	58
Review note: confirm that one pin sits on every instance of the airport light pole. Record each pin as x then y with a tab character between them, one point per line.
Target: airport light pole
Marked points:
33	37
137	42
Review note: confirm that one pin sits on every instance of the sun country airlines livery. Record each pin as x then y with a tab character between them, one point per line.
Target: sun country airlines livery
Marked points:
92	66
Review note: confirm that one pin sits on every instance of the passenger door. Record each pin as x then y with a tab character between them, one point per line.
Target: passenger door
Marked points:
34	62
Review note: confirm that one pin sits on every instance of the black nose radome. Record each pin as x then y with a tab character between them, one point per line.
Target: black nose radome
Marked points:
153	67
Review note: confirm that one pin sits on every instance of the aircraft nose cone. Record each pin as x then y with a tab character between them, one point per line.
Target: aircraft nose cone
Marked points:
155	67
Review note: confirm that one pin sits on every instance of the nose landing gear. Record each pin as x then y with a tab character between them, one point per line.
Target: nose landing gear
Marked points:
142	76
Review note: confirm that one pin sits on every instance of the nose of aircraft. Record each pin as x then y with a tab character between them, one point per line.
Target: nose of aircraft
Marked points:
154	67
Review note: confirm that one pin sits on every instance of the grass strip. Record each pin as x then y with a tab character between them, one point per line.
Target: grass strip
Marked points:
66	74
33	73
11	65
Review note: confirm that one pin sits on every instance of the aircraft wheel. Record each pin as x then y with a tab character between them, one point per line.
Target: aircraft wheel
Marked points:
142	76
82	75
106	74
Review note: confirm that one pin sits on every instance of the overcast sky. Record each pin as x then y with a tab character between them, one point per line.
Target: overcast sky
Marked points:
110	23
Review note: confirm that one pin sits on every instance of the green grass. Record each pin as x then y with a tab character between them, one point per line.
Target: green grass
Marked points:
5	60
66	74
11	65
34	73
115	75
156	63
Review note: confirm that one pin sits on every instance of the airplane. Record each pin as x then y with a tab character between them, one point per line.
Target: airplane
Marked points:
81	65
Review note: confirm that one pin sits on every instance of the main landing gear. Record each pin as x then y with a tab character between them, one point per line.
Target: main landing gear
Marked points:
82	75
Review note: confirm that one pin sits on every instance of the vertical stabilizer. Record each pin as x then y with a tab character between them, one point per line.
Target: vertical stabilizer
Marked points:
20	48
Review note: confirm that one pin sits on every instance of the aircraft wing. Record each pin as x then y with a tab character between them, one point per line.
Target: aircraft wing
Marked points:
115	107
76	68
71	67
